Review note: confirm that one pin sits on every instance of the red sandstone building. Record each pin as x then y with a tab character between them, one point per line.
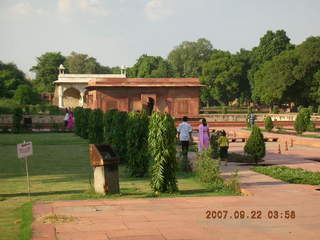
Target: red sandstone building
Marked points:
176	96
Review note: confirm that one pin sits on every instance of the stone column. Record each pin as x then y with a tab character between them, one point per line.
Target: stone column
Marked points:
61	105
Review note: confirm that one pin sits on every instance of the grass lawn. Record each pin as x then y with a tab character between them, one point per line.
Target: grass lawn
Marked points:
60	170
291	175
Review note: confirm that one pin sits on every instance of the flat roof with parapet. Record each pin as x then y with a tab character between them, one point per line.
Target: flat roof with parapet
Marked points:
145	82
85	78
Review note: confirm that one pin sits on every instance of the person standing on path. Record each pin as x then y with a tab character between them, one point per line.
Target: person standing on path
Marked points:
70	121
223	147
185	135
204	135
66	118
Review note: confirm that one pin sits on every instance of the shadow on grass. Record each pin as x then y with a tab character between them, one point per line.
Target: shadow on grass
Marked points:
36	194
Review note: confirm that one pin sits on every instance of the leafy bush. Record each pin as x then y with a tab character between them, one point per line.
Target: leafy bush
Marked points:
268	124
84	121
255	146
303	120
311	109
162	147
319	109
249	110
224	110
17	118
118	133
207	169
95	126
137	144
291	175
4	129
53	110
77	113
311	127
275	109
7	106
214	146
107	123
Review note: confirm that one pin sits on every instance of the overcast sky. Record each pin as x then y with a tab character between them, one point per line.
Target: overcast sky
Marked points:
117	32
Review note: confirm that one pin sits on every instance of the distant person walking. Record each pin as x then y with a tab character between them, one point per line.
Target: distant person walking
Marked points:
185	135
204	135
70	121
66	118
223	147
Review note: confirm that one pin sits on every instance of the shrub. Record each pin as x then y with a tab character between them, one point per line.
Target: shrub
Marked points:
137	144
311	127
268	124
53	110
7	106
162	148
107	123
303	120
224	110
84	121
17	118
249	110
319	109
77	120
311	109
118	133
214	146
95	127
275	109
255	146
4	129
207	169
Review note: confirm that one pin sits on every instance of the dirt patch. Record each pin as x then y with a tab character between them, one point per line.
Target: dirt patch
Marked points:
57	219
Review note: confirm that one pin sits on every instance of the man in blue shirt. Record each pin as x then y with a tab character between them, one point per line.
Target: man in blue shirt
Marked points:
185	135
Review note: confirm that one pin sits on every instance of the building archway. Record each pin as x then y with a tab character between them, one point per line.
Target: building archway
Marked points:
71	98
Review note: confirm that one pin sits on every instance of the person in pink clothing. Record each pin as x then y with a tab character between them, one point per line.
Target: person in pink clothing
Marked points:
204	135
70	120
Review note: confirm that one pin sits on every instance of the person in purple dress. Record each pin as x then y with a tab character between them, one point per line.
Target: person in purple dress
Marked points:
204	135
70	120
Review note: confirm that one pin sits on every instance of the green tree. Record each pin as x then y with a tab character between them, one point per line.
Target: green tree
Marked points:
303	120
224	76
47	71
271	45
255	146
162	147
151	67
188	57
10	79
268	124
79	63
17	118
25	95
137	144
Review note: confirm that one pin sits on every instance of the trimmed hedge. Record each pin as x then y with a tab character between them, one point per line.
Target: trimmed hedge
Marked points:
255	146
137	144
95	128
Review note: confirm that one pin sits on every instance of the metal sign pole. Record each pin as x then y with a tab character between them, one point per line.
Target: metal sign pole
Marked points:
26	160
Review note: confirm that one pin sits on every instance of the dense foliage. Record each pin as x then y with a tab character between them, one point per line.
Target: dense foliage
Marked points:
95	126
255	146
17	118
214	146
77	113
162	147
268	124
84	122
303	120
207	169
137	144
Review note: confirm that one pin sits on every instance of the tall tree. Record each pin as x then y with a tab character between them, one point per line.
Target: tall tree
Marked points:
10	78
46	70
25	95
79	63
188	57
151	66
223	74
271	45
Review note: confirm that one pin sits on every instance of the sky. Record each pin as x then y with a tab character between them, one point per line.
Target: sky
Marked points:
118	32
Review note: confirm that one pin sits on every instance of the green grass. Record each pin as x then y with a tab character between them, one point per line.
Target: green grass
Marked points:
309	136
60	170
291	175
26	220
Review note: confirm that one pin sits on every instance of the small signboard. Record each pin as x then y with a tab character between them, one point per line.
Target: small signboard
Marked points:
24	149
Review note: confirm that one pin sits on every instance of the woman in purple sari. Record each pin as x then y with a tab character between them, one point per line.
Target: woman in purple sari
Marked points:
204	135
70	120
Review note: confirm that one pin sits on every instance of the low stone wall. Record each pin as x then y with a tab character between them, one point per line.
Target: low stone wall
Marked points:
42	120
234	117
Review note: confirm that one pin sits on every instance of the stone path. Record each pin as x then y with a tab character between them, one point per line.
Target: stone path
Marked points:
186	218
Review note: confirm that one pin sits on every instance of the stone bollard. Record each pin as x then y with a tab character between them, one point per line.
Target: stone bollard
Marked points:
291	143
286	147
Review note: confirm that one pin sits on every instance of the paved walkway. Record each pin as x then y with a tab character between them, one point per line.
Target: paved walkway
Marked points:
185	218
